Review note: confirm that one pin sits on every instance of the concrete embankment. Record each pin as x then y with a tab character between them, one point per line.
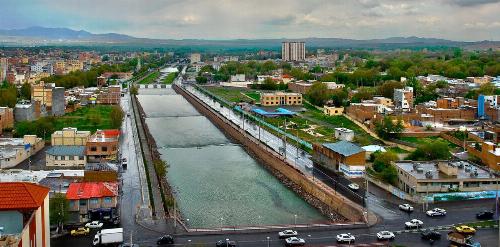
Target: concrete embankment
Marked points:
319	195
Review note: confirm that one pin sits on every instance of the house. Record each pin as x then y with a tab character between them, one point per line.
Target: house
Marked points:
103	145
70	137
6	118
344	134
403	98
342	156
333	111
24	215
66	156
93	200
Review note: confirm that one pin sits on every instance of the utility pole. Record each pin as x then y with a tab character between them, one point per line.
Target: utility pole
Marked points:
284	142
175	218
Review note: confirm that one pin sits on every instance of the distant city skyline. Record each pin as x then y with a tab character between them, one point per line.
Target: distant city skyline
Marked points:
461	20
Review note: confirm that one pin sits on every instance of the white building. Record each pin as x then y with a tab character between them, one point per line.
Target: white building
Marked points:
238	78
195	58
344	134
403	98
293	51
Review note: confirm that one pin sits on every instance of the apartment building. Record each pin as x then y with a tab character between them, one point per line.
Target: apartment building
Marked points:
13	151
66	156
50	96
103	145
110	95
403	98
293	51
93	200
195	58
70	137
280	98
6	118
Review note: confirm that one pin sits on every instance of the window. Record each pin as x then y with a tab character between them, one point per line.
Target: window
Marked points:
81	157
108	200
94	201
104	149
71	157
93	148
63	157
71	204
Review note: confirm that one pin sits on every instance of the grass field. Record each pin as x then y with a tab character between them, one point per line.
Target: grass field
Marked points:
254	95
150	78
169	79
86	118
422	140
229	94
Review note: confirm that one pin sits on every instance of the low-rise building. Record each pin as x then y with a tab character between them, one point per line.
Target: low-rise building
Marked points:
24	215
299	87
15	150
342	156
70	137
434	177
103	145
333	111
280	98
344	134
110	95
24	111
50	96
66	156
403	98
93	200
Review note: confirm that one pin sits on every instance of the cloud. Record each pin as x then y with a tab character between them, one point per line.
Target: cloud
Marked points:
226	19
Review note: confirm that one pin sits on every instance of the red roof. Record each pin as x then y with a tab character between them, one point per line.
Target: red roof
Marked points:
21	195
111	133
88	190
286	76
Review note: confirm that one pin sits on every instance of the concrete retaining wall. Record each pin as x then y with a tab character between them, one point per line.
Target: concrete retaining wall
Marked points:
316	189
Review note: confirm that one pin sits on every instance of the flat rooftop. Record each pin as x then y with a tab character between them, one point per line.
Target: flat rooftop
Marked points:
465	169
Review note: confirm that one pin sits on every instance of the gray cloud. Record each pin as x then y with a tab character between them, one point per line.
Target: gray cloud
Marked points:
468	3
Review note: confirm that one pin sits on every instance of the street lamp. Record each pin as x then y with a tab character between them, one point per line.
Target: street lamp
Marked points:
227	242
268	241
221	219
295	220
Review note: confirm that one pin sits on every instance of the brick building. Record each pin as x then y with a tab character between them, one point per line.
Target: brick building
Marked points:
6	118
103	145
342	156
109	95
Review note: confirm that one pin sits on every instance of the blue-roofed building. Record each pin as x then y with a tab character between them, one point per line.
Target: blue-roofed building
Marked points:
343	156
66	156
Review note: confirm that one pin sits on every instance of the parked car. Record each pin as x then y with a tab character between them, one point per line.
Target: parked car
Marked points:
485	215
436	212
287	234
295	241
128	245
80	231
353	186
94	224
406	207
345	238
225	243
166	239
464	229
430	235
414	223
384	235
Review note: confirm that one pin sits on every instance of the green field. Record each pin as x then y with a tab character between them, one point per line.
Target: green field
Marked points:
169	79
230	94
422	140
254	95
89	118
150	78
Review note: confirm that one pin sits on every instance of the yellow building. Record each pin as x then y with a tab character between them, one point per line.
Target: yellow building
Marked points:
73	65
70	137
333	111
280	98
60	65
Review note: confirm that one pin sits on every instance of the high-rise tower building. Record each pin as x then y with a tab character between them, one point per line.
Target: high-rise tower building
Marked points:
293	51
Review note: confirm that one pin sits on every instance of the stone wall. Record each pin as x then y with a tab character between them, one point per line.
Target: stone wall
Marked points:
314	192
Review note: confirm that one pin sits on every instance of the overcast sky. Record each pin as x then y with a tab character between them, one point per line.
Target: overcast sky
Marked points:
231	19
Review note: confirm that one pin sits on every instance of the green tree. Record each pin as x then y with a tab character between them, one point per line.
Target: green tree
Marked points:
339	97
59	209
390	175
201	79
383	160
25	91
134	90
434	150
318	94
387	129
363	93
160	168
8	94
116	116
269	84
387	88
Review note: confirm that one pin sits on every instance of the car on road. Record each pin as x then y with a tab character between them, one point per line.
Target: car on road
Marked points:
485	215
295	241
436	212
225	243
414	223
165	239
287	234
80	231
430	235
94	224
353	186
406	207
384	235
345	238
464	229
128	245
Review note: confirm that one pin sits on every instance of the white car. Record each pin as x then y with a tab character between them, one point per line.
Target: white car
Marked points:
383	235
295	241
436	212
353	186
414	223
345	238
287	233
406	207
94	224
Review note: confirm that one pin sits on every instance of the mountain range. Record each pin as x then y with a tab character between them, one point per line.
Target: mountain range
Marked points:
45	35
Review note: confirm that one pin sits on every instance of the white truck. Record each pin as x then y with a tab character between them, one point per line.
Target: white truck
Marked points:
108	237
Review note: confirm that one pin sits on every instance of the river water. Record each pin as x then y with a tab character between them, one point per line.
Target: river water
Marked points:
215	181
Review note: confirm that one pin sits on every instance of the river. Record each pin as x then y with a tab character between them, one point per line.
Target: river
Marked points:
216	182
